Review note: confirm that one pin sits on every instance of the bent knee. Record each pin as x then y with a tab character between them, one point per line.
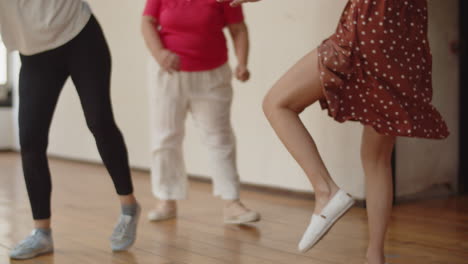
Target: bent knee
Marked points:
272	103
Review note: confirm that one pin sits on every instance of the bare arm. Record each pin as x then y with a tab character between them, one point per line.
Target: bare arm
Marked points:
240	38
166	59
149	27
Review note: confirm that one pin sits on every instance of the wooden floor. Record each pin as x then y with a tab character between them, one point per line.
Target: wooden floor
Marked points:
85	209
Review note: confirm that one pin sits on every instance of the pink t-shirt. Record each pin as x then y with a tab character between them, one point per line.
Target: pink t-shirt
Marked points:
193	29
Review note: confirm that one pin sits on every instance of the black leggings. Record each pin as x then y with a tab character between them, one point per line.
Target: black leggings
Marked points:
87	60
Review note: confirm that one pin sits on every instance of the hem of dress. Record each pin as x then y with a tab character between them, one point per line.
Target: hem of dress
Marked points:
326	107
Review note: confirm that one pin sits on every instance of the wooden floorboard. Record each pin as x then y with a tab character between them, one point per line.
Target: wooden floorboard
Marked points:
85	209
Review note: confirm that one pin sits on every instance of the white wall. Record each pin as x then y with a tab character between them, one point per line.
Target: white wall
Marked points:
6	128
281	33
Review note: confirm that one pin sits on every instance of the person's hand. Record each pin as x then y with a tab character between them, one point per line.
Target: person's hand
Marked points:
169	61
242	73
237	2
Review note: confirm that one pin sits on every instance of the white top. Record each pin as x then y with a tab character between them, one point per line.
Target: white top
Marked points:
35	26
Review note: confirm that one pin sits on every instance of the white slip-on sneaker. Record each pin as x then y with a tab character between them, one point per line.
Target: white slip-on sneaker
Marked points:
161	215
320	224
248	217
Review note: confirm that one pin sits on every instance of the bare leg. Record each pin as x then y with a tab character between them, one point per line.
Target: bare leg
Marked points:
42	224
127	199
297	89
376	153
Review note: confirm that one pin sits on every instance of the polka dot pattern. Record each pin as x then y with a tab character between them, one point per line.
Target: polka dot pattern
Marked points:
376	69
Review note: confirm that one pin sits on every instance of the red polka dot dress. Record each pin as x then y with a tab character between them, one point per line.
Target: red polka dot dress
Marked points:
376	69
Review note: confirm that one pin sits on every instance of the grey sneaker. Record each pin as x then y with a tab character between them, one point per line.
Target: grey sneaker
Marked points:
125	231
38	243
